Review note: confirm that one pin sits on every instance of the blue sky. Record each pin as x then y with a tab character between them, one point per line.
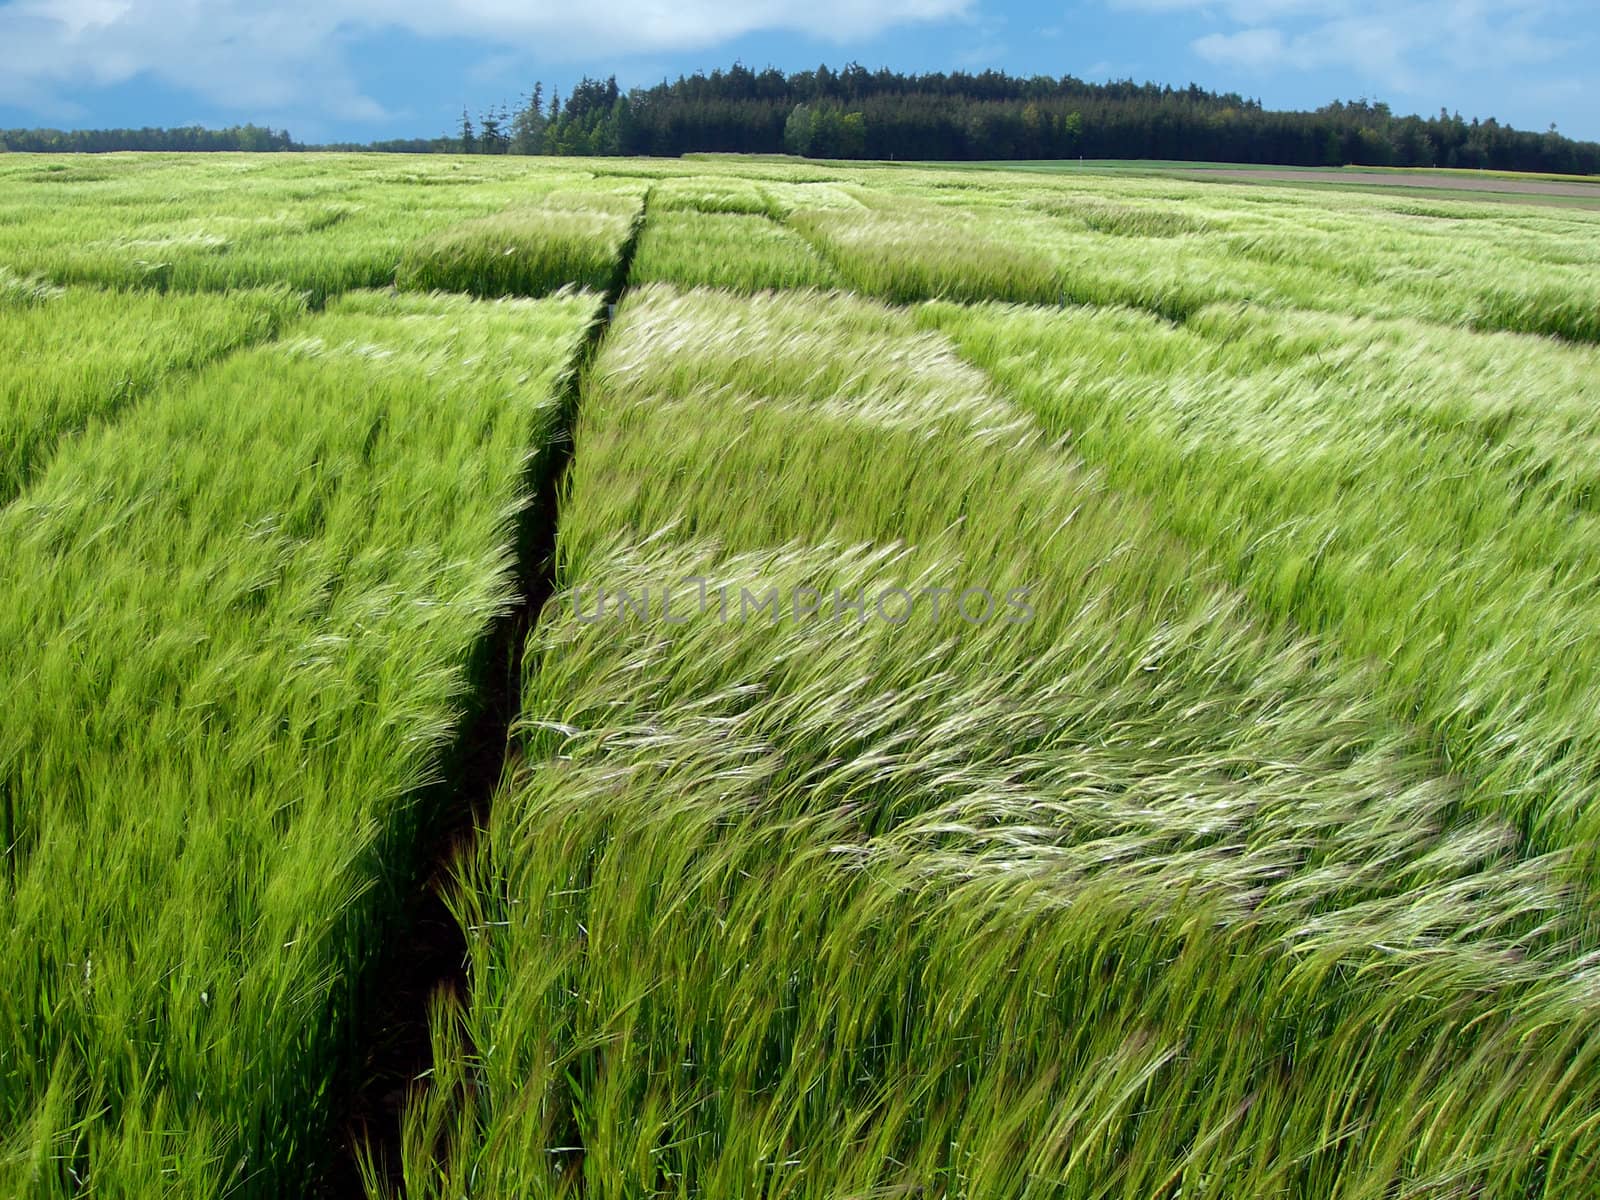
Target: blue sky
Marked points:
364	69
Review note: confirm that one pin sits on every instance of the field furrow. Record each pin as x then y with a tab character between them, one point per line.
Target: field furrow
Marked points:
746	677
243	628
898	807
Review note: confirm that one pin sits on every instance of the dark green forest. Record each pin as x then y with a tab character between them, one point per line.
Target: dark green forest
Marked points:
861	114
189	137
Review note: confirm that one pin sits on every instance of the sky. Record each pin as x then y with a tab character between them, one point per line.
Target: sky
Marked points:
359	70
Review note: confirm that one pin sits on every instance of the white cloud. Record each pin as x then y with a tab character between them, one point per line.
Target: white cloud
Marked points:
251	57
1376	51
1401	44
1252	48
1243	11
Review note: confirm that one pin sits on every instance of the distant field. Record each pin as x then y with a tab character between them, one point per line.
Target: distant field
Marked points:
750	677
1500	186
1396	174
1068	165
1460	181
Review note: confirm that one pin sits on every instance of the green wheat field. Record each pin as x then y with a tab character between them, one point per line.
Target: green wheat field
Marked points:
1231	831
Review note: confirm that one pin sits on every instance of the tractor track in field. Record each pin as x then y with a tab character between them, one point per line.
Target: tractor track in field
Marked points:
426	953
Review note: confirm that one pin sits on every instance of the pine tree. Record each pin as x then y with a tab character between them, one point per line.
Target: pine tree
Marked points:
492	136
954	115
527	127
624	135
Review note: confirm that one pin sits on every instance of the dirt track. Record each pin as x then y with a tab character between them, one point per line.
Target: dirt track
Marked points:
1459	183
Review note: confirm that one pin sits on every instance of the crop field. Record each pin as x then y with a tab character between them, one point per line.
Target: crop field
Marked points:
734	678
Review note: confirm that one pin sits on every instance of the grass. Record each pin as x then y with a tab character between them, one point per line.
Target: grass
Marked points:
72	358
1416	181
572	238
247	616
1126	242
1122	725
1070	165
1486	196
1425	497
699	194
1134	898
902	259
321	224
737	251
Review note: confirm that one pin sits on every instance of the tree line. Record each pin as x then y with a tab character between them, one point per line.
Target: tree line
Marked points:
252	138
858	114
990	115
